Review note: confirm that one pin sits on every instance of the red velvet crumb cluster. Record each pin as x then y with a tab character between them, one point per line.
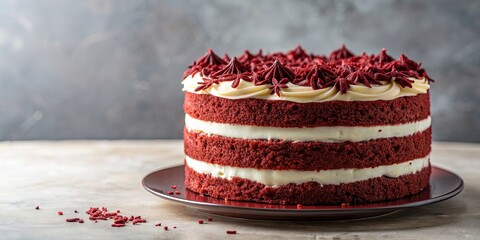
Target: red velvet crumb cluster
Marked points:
119	220
340	69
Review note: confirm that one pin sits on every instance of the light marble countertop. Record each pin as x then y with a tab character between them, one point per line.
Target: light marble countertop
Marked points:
75	175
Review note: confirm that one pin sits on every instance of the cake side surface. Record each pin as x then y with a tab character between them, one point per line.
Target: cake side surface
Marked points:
281	155
261	112
309	193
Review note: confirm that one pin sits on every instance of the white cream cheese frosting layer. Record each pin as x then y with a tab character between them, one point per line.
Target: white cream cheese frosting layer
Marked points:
294	93
275	178
320	134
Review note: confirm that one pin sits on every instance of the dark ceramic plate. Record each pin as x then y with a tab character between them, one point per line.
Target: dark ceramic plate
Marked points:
443	185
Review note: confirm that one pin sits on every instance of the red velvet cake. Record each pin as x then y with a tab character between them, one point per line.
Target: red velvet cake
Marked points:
298	128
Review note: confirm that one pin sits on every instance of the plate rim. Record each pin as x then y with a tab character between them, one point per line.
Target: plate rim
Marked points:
199	205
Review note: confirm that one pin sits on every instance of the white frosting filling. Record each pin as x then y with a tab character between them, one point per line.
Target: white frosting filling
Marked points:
390	90
320	134
275	178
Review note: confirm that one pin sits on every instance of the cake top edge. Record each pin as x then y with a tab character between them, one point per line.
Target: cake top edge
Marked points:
341	69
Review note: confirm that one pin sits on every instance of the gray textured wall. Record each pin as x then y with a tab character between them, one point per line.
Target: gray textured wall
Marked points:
112	69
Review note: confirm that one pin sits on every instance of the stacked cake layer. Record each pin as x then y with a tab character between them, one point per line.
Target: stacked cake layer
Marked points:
268	134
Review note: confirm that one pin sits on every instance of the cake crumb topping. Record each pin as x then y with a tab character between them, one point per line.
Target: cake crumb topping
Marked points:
341	69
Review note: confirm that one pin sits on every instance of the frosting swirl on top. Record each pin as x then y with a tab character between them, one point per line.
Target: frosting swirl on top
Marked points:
301	77
294	93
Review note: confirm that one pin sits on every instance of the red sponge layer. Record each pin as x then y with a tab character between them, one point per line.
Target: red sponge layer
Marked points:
261	112
311	193
281	155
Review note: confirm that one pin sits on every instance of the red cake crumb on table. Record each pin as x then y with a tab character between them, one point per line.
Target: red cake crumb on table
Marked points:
118	225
